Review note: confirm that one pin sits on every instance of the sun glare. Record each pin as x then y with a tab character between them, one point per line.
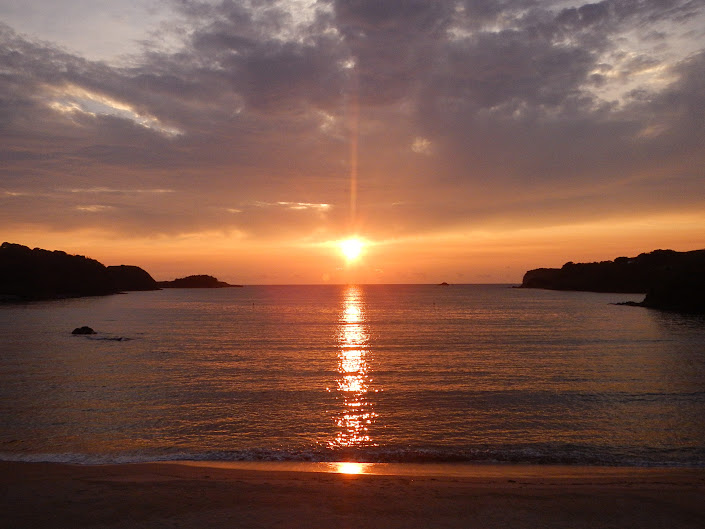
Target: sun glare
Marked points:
350	468
351	248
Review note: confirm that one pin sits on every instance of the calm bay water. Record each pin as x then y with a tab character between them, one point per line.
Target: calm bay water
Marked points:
415	373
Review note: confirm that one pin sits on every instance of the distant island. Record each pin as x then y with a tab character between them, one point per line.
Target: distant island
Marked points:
35	274
671	280
197	281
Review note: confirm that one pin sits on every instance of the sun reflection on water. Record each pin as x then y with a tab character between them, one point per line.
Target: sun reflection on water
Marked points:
351	468
353	381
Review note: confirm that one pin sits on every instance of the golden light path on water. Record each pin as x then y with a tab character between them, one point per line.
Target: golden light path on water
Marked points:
347	467
353	380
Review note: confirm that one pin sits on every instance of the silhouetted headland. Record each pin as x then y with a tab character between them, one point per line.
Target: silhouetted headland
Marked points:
671	280
35	274
197	281
128	277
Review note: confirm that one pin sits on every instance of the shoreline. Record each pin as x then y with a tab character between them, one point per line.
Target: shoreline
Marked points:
215	494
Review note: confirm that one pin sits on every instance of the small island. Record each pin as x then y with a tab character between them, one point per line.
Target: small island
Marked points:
196	281
671	280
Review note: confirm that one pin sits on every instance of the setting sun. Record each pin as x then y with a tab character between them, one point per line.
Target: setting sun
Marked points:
351	248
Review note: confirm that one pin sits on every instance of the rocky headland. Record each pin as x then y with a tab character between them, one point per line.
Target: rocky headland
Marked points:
130	277
671	280
35	274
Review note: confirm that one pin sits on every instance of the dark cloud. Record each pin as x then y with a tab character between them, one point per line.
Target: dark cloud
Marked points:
393	45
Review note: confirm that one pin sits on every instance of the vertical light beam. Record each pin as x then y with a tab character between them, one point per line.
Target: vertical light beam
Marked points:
354	134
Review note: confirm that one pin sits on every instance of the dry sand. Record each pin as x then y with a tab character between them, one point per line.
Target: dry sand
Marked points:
160	495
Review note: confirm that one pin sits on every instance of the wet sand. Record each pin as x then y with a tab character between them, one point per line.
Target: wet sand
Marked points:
161	495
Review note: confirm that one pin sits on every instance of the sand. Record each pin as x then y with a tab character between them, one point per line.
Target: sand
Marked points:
161	495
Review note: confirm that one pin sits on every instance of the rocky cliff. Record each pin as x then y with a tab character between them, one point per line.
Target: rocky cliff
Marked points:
32	274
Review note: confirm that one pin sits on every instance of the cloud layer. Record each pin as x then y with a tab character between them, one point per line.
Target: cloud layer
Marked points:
465	114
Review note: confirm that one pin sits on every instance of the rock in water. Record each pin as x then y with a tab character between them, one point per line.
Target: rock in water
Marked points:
83	330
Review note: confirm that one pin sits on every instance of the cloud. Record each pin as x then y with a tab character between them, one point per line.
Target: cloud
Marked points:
467	113
421	146
72	99
94	208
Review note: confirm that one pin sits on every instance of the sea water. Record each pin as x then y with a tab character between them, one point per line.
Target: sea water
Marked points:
368	373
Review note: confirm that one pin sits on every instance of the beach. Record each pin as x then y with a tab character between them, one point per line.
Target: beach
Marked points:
180	494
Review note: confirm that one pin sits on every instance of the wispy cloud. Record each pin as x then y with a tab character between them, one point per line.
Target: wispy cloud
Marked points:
70	99
108	190
94	208
303	206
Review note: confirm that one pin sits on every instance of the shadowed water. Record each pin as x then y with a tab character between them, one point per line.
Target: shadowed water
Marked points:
361	373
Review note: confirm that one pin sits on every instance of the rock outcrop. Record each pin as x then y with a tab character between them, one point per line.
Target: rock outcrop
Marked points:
681	288
83	330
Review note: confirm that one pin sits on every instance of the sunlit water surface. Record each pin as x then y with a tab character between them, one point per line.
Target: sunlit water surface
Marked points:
465	373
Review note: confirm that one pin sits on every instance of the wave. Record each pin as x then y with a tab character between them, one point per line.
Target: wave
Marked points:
571	455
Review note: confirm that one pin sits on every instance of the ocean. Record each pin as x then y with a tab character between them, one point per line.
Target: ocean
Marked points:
365	373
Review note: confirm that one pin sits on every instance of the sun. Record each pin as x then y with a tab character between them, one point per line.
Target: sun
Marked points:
351	248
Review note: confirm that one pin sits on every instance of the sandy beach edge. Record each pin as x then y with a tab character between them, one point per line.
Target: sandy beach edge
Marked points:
214	494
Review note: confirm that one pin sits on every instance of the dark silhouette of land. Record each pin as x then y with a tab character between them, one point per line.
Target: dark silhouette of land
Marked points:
197	281
671	280
34	274
127	277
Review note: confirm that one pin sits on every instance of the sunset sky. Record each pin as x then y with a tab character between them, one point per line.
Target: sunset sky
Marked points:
461	141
